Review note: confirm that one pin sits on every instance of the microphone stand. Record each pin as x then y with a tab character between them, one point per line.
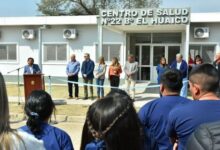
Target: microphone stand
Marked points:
49	84
18	84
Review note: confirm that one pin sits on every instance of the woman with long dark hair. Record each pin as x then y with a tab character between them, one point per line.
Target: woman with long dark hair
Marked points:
39	109
13	139
112	124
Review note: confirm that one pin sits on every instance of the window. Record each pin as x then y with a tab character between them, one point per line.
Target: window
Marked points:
205	51
166	37
141	38
8	52
55	52
111	50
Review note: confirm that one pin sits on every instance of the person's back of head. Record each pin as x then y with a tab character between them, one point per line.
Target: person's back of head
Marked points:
203	79
5	130
38	108
171	82
114	120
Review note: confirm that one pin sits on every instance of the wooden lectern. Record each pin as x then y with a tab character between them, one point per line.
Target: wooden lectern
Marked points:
33	82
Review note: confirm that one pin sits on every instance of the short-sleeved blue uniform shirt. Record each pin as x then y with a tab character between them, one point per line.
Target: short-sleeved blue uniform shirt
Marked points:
53	138
183	120
154	117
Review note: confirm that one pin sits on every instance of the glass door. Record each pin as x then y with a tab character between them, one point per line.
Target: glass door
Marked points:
158	52
142	53
172	51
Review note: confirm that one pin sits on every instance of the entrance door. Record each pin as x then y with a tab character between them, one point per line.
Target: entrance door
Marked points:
142	54
167	51
158	52
148	57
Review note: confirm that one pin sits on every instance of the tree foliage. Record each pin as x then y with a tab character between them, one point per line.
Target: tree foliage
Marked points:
90	7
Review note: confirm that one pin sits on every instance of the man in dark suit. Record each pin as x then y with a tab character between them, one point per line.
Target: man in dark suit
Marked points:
31	68
87	74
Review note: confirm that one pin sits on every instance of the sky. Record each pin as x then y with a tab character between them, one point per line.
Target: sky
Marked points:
9	8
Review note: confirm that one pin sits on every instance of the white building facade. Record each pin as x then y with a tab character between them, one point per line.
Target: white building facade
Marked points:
51	40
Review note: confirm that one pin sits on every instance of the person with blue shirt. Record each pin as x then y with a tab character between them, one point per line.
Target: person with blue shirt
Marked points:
31	68
39	109
154	115
181	65
161	69
87	73
205	108
72	70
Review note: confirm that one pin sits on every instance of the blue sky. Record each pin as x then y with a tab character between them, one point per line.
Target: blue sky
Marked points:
29	8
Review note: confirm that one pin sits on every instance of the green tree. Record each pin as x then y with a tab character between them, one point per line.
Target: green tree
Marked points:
90	7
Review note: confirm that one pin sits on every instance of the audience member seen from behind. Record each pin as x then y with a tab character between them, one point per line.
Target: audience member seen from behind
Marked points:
100	71
205	137
114	73
39	109
13	139
154	115
184	119
112	124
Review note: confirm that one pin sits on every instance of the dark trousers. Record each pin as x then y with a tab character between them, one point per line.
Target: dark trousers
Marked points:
88	81
70	86
114	81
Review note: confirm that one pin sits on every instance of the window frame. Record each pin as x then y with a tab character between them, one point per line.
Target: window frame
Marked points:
54	62
6	61
96	45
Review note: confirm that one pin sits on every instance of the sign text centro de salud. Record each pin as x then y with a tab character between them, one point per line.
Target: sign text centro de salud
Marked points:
154	16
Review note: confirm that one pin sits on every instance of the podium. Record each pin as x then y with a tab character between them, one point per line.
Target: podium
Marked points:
33	82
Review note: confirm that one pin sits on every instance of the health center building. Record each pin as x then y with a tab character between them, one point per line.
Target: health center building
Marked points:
148	34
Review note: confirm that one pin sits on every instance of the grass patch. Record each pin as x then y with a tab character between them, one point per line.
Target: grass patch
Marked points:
57	91
69	110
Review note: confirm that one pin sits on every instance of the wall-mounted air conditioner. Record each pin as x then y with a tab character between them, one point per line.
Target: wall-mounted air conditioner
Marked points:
69	33
28	34
201	32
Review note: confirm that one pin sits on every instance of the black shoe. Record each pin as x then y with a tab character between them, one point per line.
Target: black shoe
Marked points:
70	97
85	98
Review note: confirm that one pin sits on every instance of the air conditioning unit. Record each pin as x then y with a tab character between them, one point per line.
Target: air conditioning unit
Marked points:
201	32
69	33
28	34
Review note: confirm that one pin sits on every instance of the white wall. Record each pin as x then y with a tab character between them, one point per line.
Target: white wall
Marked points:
85	42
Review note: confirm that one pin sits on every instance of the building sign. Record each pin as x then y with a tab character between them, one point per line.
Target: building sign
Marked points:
154	16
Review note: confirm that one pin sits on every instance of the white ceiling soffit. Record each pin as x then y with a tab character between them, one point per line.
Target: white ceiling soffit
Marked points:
50	20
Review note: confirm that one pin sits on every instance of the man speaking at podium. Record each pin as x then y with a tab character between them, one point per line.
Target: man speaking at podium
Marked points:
31	68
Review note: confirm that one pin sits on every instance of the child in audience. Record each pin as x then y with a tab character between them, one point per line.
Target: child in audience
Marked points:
112	124
12	139
39	109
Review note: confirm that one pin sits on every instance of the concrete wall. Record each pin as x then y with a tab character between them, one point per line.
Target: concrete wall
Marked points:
214	36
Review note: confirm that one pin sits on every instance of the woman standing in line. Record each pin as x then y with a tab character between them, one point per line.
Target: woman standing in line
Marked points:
100	77
161	68
114	73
